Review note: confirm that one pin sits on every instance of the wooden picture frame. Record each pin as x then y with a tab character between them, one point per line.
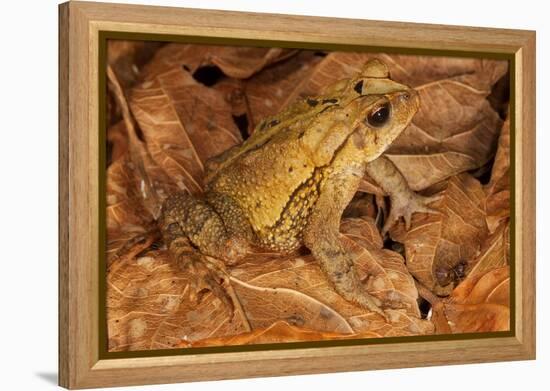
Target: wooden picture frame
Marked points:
81	28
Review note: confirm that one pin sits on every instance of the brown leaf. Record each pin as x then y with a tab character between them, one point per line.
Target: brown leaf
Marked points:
130	211
362	205
234	61
125	210
479	304
495	252
127	57
149	307
415	71
117	141
332	68
489	287
300	281
437	243
152	182
455	129
232	91
128	199
278	332
274	88
459	135
498	188
184	124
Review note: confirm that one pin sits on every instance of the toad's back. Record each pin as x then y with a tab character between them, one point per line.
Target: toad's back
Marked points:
275	187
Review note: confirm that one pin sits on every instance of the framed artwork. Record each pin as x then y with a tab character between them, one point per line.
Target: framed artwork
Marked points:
255	195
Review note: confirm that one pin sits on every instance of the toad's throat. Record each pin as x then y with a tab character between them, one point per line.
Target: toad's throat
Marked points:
286	233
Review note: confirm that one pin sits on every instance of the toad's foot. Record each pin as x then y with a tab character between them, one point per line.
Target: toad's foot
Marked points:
204	276
370	303
404	205
207	274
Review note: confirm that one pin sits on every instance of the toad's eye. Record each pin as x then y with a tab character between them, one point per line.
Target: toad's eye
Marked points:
379	116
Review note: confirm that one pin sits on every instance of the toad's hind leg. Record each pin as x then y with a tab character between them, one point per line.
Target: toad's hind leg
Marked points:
197	220
188	223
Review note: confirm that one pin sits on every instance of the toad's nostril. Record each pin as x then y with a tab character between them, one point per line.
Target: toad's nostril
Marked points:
406	96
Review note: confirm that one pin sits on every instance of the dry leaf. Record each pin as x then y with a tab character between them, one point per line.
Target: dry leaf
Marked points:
232	91
415	71
276	333
192	102
292	285
184	123
455	129
128	57
149	307
498	188
437	243
495	252
130	211
479	304
124	201
234	61
148	180
117	141
274	88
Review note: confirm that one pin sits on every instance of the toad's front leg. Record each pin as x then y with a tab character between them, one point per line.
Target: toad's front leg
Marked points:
321	236
404	201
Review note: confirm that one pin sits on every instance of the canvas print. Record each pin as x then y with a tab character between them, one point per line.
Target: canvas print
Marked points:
268	195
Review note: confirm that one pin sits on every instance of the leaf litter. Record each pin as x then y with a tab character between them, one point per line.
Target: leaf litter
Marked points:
174	106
